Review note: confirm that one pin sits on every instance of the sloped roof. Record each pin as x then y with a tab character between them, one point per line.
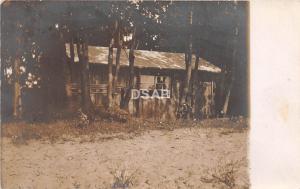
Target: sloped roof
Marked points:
145	59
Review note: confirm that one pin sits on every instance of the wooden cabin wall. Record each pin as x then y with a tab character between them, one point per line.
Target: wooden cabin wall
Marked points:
98	85
73	87
159	109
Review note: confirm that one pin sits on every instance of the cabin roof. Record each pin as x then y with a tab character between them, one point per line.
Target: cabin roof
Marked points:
145	59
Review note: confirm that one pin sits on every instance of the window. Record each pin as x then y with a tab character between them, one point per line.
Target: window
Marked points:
160	82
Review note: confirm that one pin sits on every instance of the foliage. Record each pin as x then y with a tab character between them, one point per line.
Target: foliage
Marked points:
224	173
37	33
122	179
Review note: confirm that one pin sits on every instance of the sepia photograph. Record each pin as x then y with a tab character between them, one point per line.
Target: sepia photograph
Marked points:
125	94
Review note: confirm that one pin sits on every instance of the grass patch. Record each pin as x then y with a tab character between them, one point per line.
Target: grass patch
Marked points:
21	132
223	173
123	179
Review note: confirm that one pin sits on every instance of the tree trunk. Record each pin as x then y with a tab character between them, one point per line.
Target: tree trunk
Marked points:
232	79
86	103
131	80
225	106
185	99
117	68
194	83
221	91
126	99
72	58
189	63
228	92
17	89
72	52
195	71
186	89
110	76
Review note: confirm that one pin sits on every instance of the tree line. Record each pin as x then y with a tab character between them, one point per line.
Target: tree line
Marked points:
35	39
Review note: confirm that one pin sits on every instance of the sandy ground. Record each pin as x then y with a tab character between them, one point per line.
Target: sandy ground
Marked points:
182	158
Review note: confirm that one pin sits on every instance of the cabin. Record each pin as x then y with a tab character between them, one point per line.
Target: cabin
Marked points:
157	83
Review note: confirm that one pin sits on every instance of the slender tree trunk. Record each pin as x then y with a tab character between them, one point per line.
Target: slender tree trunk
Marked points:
86	103
110	76
125	103
194	83
232	79
111	87
131	80
229	89
17	86
86	77
226	102
186	89
72	52
117	68
195	71
221	91
189	63
228	92
72	58
17	89
185	99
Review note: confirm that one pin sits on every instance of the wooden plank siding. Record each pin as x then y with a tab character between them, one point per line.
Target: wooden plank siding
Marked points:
159	109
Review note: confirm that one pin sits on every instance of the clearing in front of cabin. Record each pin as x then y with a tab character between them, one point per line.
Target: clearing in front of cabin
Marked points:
206	154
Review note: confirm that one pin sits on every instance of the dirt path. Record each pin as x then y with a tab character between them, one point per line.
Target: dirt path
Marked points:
182	158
